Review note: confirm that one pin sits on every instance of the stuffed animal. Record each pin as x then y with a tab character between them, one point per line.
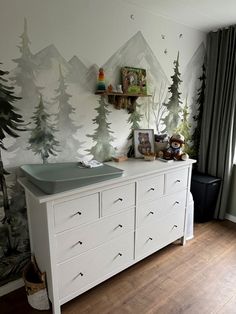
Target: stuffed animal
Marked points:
174	151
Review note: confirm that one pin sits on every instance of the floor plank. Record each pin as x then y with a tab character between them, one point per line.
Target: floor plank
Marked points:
198	278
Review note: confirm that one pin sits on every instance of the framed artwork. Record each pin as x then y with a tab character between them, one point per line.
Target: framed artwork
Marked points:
143	142
134	80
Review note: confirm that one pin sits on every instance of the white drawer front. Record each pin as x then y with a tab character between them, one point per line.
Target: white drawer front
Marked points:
155	210
150	188
176	181
118	198
75	212
73	242
154	236
89	267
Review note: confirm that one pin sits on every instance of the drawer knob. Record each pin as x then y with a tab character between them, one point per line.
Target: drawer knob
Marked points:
150	239
78	275
176	202
175	226
80	242
119	200
151	189
78	213
151	213
119	254
120	226
178	181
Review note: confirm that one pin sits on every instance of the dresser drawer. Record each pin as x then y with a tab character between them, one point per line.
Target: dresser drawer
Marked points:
150	188
155	210
118	198
156	235
76	212
93	265
176	181
74	242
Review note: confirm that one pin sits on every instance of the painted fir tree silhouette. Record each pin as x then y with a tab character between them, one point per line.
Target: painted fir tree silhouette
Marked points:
24	75
42	139
134	119
172	119
10	123
65	125
102	150
184	127
198	116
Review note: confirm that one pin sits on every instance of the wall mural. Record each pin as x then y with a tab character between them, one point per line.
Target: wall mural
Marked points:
14	243
56	117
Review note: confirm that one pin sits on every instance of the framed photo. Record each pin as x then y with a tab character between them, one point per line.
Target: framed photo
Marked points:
143	142
134	80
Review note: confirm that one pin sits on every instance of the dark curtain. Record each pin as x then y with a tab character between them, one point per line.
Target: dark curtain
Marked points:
218	133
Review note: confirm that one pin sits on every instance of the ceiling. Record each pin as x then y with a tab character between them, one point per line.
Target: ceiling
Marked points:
204	15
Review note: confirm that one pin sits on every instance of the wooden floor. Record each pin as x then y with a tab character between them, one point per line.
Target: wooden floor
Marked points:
199	277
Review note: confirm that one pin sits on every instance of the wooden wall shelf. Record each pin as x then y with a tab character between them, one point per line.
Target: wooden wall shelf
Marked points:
122	100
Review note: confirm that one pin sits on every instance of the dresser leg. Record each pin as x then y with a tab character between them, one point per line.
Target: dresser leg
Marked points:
56	308
183	240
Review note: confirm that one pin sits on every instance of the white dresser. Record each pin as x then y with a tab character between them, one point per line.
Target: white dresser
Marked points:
83	236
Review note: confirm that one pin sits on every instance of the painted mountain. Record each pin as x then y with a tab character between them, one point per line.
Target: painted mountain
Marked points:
77	72
136	53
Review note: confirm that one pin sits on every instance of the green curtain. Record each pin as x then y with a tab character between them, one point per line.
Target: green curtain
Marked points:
218	133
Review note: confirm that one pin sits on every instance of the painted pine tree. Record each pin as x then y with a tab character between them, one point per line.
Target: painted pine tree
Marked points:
24	74
102	150
42	140
172	119
65	125
10	123
134	119
184	128
198	116
14	253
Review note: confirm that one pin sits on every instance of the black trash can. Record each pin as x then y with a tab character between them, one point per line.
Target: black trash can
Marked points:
204	189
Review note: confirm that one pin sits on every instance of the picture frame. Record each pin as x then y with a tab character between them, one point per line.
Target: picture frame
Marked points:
134	80
143	142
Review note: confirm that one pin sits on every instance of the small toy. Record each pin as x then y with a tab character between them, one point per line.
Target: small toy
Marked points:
174	151
119	88
101	87
110	88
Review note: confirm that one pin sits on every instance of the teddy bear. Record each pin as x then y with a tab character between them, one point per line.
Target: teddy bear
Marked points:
174	150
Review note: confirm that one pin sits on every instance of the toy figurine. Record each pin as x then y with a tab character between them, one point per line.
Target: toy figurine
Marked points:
101	87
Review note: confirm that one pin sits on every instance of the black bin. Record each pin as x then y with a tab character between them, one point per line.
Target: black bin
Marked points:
204	189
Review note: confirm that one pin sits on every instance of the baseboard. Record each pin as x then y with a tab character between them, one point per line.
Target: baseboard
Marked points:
11	286
230	217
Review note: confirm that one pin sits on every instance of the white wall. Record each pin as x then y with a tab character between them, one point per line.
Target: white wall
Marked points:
92	30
